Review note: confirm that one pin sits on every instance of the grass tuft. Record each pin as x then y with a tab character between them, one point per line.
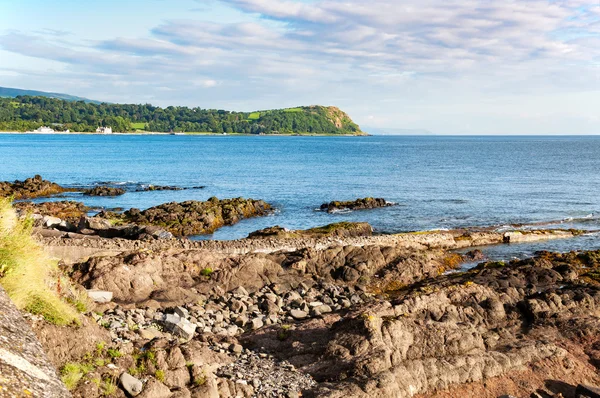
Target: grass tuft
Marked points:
27	273
72	373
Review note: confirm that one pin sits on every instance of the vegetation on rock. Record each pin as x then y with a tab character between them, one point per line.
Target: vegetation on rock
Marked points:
29	277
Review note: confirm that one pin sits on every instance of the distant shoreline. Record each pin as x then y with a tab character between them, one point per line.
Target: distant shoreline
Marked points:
186	134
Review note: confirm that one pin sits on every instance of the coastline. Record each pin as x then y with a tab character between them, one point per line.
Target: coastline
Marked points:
187	134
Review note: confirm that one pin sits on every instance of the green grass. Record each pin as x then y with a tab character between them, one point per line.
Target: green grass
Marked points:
73	372
138	126
254	116
28	275
293	110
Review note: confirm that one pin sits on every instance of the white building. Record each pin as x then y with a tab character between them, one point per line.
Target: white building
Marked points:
104	130
44	130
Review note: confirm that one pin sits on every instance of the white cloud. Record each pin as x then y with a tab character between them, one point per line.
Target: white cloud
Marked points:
372	58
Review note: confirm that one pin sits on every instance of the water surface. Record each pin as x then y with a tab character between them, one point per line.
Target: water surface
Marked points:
437	182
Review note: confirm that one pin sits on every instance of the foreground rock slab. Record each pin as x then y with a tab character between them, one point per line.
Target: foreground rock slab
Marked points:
25	370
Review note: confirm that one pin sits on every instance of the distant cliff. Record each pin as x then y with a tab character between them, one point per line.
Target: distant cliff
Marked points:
25	113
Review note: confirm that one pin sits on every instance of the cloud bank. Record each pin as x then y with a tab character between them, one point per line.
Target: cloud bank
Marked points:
449	66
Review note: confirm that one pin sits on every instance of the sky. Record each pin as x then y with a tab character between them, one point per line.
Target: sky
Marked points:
442	66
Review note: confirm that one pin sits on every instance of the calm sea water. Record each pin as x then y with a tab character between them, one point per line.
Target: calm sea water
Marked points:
437	182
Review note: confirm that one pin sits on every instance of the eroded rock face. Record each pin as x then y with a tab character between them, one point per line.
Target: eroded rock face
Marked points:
104	191
358	204
195	218
140	275
454	329
24	367
35	187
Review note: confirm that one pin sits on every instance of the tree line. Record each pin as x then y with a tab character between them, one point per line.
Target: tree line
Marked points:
25	113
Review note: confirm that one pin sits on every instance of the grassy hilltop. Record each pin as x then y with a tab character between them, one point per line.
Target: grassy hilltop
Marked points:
24	113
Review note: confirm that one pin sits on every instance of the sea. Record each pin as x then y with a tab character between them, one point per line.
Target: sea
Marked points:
435	182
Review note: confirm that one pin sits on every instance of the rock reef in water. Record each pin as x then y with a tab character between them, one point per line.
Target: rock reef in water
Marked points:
151	188
358	204
104	191
31	188
195	217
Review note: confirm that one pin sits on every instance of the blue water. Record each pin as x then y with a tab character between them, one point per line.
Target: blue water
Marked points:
437	182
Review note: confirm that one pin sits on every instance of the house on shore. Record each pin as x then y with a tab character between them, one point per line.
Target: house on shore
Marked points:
104	130
44	130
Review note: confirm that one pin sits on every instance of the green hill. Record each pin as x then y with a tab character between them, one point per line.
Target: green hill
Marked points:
24	113
6	92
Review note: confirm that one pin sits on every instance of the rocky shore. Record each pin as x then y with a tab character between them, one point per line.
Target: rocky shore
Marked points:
334	311
356	316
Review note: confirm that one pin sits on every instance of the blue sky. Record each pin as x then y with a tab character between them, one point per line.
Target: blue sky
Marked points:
446	66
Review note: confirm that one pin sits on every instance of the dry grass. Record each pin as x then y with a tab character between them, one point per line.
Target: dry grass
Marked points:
27	273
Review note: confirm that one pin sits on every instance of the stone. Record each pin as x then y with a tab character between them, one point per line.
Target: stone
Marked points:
324	309
298	314
236	348
179	326
93	223
51	222
100	296
257	323
150	333
131	384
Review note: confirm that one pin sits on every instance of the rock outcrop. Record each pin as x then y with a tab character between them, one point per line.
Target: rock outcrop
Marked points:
25	369
339	230
195	218
104	191
35	187
461	328
69	211
358	204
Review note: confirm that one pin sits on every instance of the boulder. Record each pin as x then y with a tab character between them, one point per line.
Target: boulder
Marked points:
179	326
51	222
93	223
100	296
130	384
